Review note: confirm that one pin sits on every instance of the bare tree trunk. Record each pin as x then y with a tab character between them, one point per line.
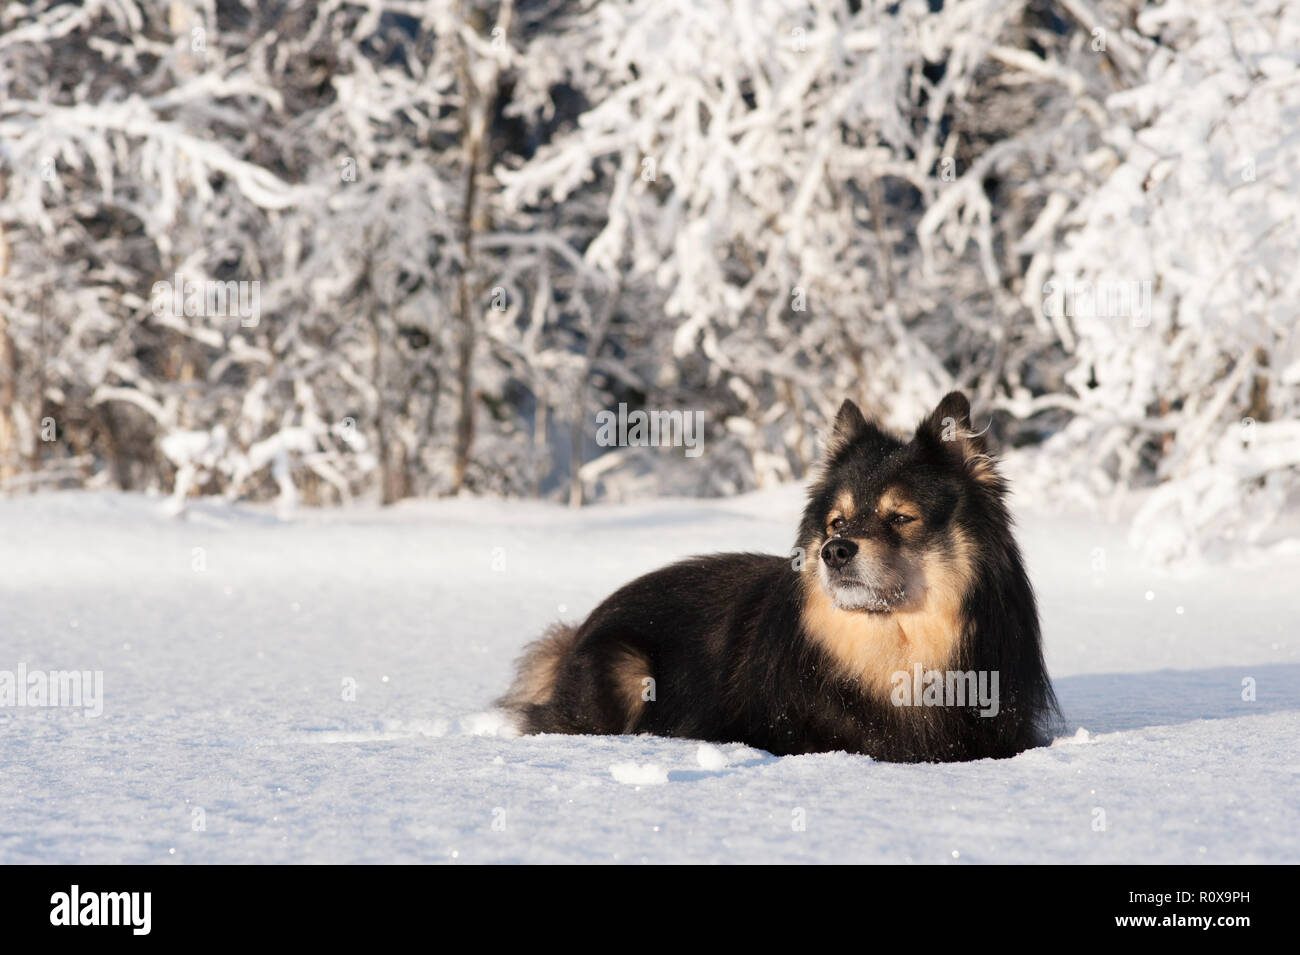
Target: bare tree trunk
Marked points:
541	424
466	339
1259	408
475	118
8	400
381	413
575	447
8	379
119	461
393	477
594	346
804	452
397	473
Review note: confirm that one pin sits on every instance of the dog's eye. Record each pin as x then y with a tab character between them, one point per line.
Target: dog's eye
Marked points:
836	524
900	519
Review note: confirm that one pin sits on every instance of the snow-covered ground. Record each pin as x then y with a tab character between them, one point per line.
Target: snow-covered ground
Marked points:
227	642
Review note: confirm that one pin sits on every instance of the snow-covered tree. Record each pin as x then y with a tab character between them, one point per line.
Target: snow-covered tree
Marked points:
1170	285
389	247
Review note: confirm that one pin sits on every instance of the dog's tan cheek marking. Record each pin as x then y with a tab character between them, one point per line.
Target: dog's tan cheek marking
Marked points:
628	673
935	628
873	647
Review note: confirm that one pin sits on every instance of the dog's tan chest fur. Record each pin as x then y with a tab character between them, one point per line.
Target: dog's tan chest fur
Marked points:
873	647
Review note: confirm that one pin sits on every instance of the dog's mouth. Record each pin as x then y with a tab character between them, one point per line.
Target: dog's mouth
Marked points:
862	594
872	586
853	595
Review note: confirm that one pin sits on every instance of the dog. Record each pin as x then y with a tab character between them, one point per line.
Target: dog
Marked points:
903	626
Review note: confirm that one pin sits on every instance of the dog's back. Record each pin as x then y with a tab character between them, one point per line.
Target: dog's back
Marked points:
655	657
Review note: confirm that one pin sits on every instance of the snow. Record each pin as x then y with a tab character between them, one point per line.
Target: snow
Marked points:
227	639
631	774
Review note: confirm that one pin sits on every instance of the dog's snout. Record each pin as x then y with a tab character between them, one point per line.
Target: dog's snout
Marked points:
838	552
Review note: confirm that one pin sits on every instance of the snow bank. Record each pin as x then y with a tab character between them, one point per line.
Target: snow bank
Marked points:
321	691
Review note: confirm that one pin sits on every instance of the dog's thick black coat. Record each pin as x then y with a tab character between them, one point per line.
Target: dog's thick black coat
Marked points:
719	648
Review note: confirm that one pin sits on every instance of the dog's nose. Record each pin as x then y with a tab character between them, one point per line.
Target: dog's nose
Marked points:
837	553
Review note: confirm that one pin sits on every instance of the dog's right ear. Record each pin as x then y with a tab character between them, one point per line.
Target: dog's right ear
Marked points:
849	426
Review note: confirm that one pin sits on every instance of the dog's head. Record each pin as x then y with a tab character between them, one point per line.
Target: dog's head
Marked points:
889	522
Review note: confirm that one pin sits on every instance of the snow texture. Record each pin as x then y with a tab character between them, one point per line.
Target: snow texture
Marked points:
227	639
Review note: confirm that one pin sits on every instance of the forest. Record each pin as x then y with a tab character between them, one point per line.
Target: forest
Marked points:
312	253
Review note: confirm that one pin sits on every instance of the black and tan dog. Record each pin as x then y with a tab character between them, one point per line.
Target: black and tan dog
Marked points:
905	593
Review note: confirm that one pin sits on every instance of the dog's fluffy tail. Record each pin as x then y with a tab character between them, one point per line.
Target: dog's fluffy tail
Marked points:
537	670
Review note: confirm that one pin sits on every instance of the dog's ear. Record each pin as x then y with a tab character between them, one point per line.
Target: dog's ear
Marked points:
849	426
947	430
948	422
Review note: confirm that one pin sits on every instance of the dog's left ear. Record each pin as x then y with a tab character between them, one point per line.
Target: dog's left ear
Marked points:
948	430
850	425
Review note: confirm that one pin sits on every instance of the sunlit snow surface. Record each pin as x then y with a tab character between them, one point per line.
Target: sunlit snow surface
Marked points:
228	639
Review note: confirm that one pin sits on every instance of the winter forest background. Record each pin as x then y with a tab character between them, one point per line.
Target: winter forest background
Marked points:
442	236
